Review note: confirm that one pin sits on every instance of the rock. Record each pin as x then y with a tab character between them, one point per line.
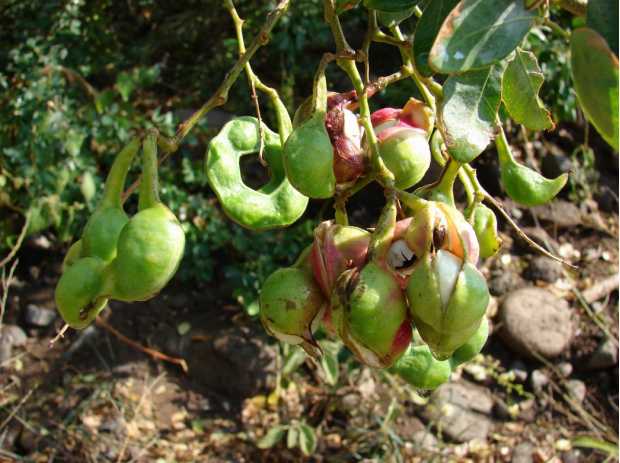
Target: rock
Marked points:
519	370
544	269
16	334
424	438
605	356
538	380
571	456
534	318
536	234
565	369
39	317
233	360
500	285
524	453
577	390
461	410
562	214
6	348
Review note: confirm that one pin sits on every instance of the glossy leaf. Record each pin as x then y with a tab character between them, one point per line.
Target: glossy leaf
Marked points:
478	33
591	443
595	73
468	113
602	16
390	6
292	437
273	436
426	31
307	439
520	86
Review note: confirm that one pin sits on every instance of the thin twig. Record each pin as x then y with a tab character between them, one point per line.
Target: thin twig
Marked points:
16	409
220	97
18	245
6	284
146	350
61	334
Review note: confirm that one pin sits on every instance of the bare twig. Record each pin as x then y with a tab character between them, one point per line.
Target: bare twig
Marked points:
61	334
220	97
6	284
18	245
146	350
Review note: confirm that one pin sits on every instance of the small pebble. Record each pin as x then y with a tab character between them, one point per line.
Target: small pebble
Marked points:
565	369
605	356
17	335
39	317
538	380
543	269
519	370
577	390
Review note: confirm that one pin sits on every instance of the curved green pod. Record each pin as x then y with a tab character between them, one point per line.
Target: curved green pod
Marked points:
523	185
276	204
418	368
473	346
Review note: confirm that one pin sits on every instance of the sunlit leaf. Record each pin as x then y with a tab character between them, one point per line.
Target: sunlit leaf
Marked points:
520	86
595	73
307	439
478	33
433	16
273	436
468	113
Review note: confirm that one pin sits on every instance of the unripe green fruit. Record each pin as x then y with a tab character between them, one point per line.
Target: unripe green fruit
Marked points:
290	305
77	292
75	253
485	226
150	248
369	312
406	153
473	346
418	368
102	231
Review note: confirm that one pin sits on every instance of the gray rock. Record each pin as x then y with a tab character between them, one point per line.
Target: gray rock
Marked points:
16	334
544	269
461	410
350	401
562	214
538	380
39	317
500	285
565	369
533	319
524	453
519	370
6	348
605	356
577	390
571	456
424	438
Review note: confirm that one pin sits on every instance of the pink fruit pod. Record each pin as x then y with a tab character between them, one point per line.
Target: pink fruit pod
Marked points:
369	307
336	249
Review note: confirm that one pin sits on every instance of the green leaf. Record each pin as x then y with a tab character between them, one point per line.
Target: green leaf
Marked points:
307	439
433	16
148	75
295	358
602	16
468	113
273	436
595	73
390	6
329	363
88	187
104	99
394	19
591	443
126	83
478	33
520	86
292	437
